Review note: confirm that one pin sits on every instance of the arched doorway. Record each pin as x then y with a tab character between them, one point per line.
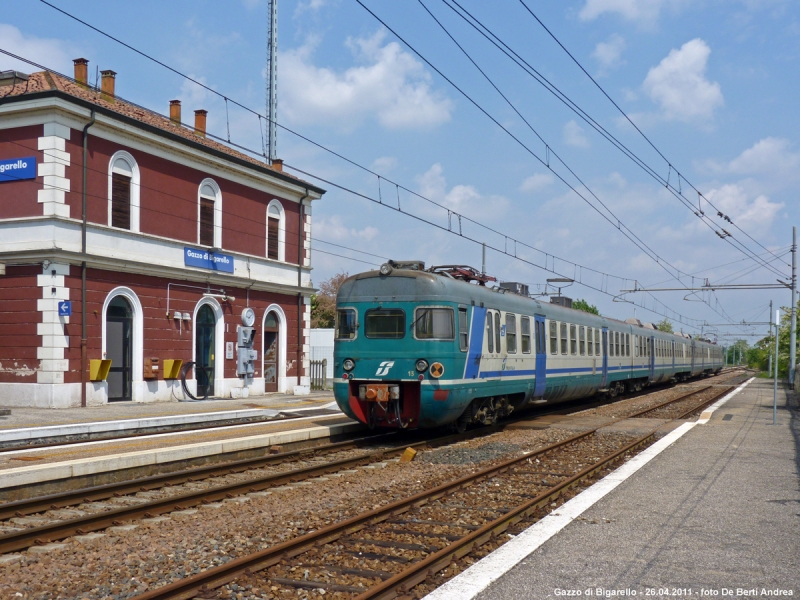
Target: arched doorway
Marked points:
119	348
205	325
271	351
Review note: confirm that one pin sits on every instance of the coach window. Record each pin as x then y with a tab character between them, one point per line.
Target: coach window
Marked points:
385	323
616	344
582	340
590	341
497	331
511	333
463	329
489	332
627	344
123	192
563	338
553	337
434	323
526	336
346	326
276	231
573	340
210	214
597	342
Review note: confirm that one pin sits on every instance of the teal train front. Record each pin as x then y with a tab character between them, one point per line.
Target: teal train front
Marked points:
426	348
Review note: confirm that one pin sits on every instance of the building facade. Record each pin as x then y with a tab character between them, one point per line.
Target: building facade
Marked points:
130	237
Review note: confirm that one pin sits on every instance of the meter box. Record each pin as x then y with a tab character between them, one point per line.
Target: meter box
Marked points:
246	356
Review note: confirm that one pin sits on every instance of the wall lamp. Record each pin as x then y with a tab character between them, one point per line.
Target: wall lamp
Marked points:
225	297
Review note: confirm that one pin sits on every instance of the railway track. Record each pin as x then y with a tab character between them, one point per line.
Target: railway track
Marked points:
386	551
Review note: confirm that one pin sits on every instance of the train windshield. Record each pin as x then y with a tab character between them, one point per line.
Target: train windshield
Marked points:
434	324
385	323
346	324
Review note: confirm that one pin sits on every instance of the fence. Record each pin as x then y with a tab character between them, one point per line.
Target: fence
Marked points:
319	378
319	352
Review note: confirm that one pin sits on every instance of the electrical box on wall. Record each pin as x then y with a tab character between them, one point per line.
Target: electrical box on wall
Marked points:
151	368
245	354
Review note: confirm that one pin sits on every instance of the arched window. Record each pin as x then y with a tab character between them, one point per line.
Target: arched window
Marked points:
209	222
276	231
123	192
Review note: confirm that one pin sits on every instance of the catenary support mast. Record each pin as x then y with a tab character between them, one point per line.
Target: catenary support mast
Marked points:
272	79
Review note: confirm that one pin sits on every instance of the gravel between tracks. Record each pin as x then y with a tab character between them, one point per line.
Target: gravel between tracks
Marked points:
123	563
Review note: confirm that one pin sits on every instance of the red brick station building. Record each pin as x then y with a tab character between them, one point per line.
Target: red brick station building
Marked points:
169	236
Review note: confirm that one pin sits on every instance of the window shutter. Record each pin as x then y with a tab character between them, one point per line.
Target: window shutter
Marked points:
120	201
273	227
206	222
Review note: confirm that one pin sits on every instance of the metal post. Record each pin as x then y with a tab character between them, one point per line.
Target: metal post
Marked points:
272	78
483	259
769	365
793	331
775	379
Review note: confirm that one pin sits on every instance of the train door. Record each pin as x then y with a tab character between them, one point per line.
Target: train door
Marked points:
651	346
604	380
473	366
541	357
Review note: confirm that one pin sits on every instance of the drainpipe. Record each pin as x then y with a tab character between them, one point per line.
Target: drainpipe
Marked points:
84	365
300	240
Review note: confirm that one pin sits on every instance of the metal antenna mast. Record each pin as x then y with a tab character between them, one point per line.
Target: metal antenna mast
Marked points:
272	78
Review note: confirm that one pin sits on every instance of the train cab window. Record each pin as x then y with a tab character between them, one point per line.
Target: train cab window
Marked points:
573	340
497	331
563	338
434	323
385	323
346	326
597	342
511	333
590	341
553	337
463	329
582	340
489	332
526	336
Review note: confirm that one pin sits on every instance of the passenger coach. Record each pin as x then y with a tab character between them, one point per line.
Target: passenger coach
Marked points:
424	348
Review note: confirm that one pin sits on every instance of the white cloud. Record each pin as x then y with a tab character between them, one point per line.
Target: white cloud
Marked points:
463	199
573	135
644	12
609	53
334	229
391	85
768	156
536	182
383	164
51	53
754	216
679	86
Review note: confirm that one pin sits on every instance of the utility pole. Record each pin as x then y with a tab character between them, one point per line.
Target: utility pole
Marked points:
793	332
769	364
272	79
775	379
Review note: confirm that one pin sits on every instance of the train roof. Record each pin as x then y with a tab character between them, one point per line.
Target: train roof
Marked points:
371	286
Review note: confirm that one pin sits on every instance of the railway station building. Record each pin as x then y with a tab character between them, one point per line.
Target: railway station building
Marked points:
131	243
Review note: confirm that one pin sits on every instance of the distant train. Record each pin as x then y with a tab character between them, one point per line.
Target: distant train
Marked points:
426	348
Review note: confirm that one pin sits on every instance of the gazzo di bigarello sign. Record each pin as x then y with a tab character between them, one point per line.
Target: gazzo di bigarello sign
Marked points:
203	259
15	169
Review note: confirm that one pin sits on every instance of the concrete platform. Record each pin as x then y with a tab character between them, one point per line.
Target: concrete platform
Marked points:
710	511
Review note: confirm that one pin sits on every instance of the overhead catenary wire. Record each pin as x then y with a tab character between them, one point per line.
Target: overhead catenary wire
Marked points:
531	71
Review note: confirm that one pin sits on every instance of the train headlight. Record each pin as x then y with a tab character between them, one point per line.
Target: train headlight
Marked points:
422	365
348	364
386	268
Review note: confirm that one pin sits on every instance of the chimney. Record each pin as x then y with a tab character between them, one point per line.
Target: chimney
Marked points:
200	122
81	71
277	164
107	85
175	111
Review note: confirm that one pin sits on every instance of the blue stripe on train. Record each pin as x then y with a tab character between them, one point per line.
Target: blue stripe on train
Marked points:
473	365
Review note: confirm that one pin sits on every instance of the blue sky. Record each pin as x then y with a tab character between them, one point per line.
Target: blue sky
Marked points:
712	83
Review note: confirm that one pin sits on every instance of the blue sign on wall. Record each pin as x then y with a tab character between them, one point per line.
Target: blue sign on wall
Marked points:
65	308
203	259
14	169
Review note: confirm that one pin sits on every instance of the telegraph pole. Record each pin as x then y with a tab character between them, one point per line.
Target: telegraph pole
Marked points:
272	79
793	332
775	379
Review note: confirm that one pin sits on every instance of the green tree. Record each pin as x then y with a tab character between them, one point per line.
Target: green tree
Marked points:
323	303
665	325
585	307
